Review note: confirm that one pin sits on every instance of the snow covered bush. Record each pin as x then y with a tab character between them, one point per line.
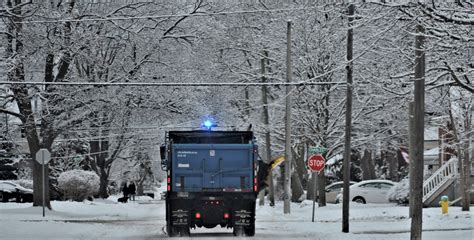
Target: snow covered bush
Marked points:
77	185
400	193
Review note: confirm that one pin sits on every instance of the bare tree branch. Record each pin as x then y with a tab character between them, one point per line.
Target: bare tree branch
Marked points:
441	17
18	115
458	81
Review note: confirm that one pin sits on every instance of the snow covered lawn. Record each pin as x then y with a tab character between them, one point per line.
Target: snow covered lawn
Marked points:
144	219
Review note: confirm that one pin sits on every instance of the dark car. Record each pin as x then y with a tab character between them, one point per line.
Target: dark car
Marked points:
11	191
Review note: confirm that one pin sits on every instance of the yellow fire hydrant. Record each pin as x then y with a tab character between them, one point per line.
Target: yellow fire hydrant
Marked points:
444	204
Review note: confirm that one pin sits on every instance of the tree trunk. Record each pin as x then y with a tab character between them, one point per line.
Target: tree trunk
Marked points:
104	182
321	188
140	187
298	164
368	170
296	187
34	146
392	166
466	193
99	166
381	161
38	183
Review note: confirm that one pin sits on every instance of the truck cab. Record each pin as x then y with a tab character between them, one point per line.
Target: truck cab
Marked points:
211	180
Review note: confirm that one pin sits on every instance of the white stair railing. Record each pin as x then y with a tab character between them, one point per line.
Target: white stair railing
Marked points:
446	172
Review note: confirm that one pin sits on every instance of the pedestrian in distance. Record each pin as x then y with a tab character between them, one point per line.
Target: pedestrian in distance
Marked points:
133	190
126	193
126	189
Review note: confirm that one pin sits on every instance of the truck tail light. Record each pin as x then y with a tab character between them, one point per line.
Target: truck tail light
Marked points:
198	216
169	184
255	184
226	216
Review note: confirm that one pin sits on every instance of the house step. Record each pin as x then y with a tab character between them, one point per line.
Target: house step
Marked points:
440	180
434	197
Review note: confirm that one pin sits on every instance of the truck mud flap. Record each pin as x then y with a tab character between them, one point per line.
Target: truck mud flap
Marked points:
179	217
243	218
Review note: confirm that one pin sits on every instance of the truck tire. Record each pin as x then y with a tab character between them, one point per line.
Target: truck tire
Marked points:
180	231
3	197
169	229
238	231
250	230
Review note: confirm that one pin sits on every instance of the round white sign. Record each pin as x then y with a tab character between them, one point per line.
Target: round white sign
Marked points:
43	156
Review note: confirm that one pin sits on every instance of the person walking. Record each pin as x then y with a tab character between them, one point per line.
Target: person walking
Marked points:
132	190
126	190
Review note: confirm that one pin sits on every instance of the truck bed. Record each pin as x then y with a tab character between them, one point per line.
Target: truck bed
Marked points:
212	167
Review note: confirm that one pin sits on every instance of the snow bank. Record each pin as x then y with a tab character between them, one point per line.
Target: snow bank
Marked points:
107	219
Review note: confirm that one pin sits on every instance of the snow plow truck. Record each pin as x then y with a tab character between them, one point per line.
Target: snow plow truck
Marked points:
212	180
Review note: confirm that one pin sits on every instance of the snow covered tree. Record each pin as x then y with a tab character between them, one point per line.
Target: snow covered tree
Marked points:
8	171
71	154
68	49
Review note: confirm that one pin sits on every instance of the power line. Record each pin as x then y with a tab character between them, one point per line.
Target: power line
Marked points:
175	84
70	156
168	16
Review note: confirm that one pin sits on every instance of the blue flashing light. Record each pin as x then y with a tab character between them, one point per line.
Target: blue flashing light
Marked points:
208	124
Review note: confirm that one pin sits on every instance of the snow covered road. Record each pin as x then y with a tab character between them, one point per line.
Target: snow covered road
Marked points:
105	219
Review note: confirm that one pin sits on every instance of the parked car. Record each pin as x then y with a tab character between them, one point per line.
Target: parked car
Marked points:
369	191
333	189
12	191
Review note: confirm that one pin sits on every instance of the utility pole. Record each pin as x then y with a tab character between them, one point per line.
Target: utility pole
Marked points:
6	126
266	123
287	182
411	150
347	141
247	104
466	168
419	126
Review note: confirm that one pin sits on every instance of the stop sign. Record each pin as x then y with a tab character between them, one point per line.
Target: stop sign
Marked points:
316	162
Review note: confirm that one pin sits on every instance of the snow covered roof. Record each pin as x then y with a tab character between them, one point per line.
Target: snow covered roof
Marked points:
334	159
431	152
431	134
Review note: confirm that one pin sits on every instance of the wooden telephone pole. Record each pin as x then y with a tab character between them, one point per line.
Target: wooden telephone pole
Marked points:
347	142
287	182
266	123
419	125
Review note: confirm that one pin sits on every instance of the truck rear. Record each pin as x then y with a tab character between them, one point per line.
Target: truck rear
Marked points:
211	181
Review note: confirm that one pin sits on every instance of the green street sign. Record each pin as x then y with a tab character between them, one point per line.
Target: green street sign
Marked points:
318	150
